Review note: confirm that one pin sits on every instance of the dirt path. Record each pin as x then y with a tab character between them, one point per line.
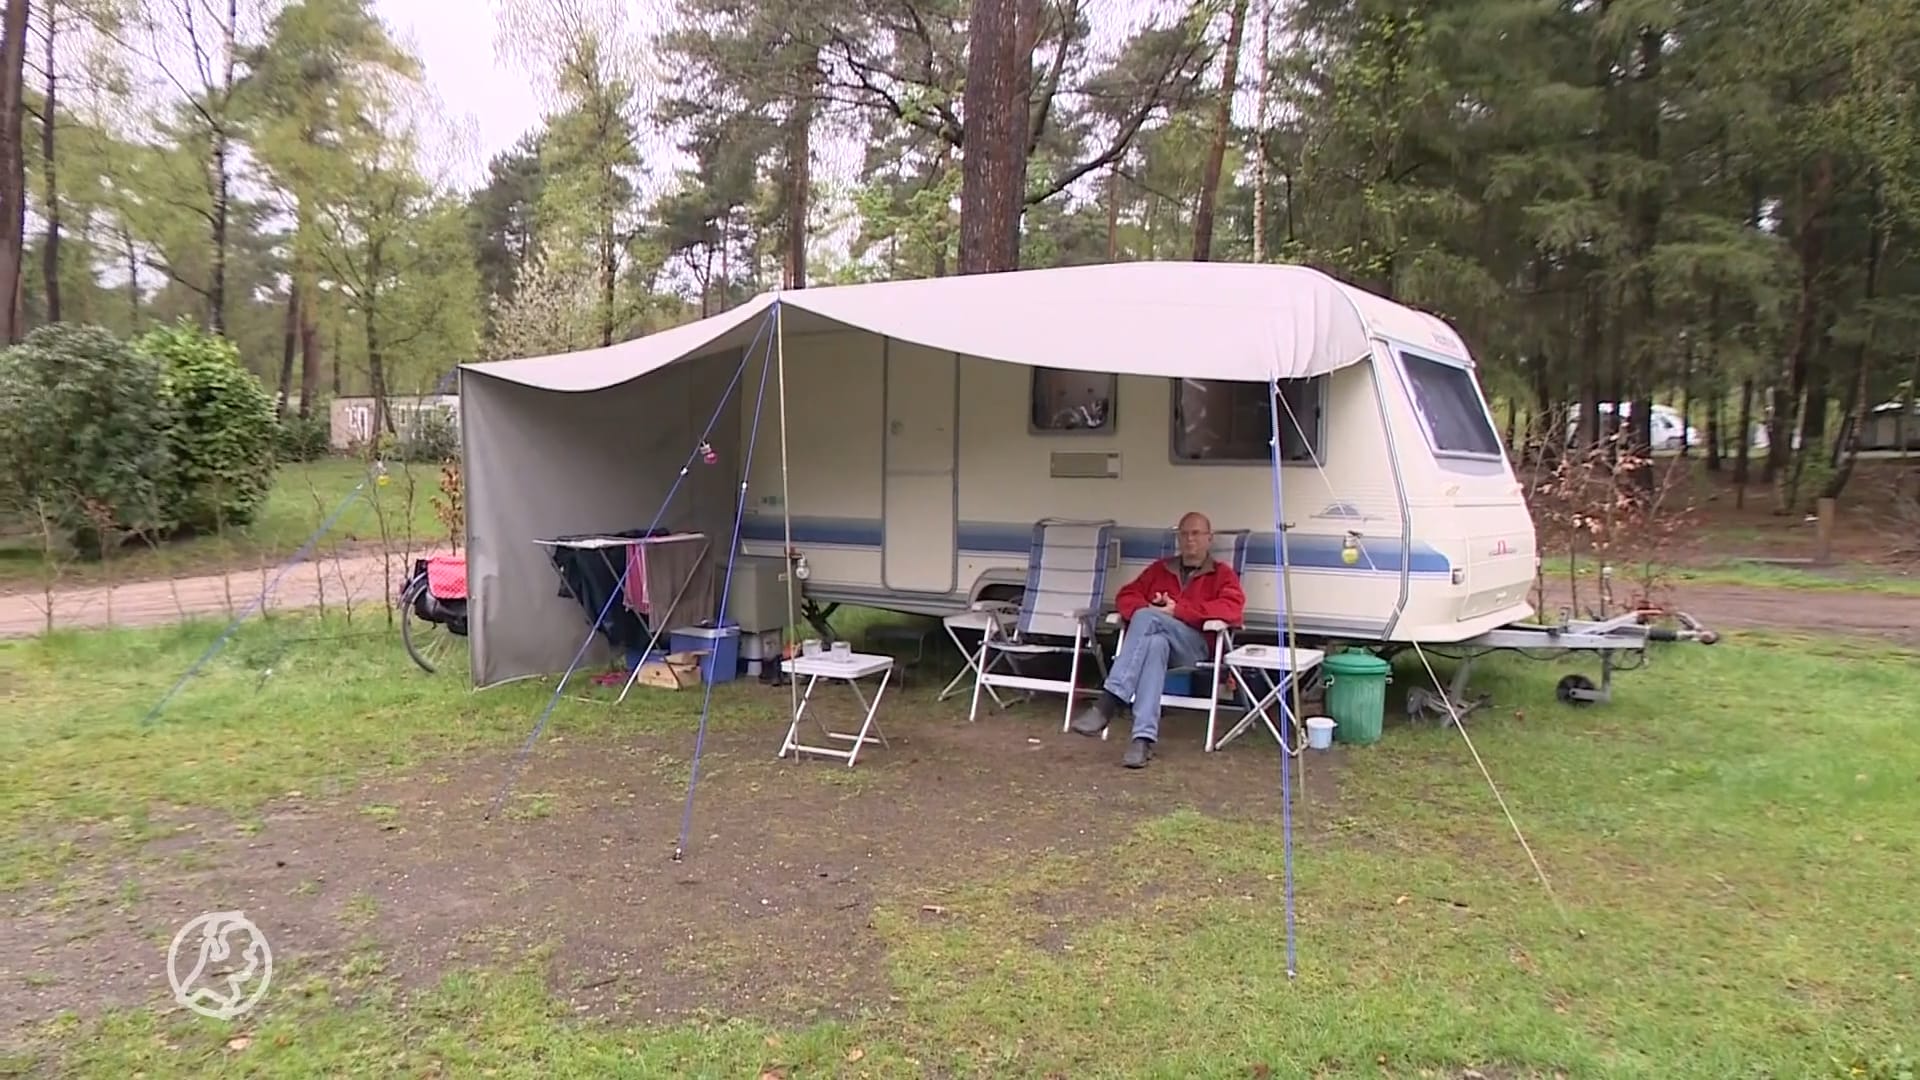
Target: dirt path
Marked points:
1860	613
363	580
359	581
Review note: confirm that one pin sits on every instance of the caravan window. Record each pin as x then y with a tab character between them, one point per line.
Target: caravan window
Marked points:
1215	420
1450	407
1068	400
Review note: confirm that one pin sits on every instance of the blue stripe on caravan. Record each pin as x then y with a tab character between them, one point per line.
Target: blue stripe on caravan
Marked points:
1304	551
844	532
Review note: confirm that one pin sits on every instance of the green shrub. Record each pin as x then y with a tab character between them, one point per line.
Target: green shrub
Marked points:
303	438
223	430
83	434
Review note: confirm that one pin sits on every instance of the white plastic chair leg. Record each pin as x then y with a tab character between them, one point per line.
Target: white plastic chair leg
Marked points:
1073	683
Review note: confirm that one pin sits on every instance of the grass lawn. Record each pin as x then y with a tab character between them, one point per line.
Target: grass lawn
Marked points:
1731	844
303	496
1748	573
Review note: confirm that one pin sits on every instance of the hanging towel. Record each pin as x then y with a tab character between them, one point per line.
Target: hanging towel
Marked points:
658	567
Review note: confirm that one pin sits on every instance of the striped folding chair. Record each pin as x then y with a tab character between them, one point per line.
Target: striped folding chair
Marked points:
1058	614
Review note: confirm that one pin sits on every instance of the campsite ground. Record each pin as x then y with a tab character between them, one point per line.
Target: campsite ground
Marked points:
1729	847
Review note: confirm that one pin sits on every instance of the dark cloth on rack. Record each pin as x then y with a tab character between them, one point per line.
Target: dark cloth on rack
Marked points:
590	577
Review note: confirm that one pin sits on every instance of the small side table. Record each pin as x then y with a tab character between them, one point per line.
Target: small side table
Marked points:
850	669
1279	667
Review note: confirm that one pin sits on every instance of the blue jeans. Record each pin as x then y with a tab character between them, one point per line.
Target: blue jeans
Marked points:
1155	642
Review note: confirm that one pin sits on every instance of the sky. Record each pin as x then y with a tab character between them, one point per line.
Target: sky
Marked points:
454	38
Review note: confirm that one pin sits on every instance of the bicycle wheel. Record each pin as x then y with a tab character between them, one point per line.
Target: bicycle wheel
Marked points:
426	642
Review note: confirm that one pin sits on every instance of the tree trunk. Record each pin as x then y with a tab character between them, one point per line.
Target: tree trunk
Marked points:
1745	442
1592	428
1686	402
310	359
133	283
1113	212
1846	449
609	273
1716	404
1651	204
1716	386
50	250
376	367
800	171
1903	423
289	345
1810	244
1292	236
1813	414
13	171
1222	127
1260	138
222	181
993	154
726	260
1547	430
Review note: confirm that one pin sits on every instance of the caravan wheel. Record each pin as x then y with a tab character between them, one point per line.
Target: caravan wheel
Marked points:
1567	689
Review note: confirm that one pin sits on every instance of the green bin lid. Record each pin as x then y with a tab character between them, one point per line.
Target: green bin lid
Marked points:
1357	662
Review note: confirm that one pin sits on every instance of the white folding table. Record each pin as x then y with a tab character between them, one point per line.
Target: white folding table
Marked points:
1279	668
849	668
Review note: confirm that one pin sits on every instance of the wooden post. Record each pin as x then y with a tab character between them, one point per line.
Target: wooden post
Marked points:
1823	530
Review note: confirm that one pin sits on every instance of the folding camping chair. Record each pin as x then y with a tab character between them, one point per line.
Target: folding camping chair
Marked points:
1065	594
1229	547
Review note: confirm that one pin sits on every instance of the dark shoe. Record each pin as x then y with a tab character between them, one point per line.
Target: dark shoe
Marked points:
1138	753
1093	721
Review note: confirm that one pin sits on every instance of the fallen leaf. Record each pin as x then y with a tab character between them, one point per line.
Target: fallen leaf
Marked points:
855	1054
239	1043
933	909
772	1074
773	1042
1262	1072
1401	899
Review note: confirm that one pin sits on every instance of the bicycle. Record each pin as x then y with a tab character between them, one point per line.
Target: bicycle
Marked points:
433	595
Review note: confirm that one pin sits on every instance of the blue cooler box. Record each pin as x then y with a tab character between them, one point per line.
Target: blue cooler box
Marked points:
721	646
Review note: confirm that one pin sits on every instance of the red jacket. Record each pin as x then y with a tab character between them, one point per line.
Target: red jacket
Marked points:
1212	593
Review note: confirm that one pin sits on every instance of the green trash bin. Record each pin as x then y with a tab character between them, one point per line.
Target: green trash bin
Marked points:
1357	695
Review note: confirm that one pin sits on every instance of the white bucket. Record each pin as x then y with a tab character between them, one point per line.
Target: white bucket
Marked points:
1319	732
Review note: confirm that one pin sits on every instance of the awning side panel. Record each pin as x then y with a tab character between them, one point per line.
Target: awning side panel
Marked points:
541	463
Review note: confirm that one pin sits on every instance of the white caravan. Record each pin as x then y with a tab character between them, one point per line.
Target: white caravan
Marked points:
917	475
930	424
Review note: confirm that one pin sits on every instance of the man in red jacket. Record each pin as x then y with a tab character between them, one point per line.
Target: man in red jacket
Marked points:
1164	609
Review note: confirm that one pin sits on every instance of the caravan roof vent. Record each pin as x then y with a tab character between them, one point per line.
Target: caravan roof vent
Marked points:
1085	465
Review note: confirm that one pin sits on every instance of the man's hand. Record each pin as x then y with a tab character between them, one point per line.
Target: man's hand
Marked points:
1163	601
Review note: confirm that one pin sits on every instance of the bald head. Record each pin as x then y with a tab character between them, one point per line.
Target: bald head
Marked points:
1196	537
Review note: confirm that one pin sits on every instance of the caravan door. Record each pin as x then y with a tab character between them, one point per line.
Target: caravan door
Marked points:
919	504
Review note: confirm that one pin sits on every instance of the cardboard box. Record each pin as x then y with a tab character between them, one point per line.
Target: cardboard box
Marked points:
677	672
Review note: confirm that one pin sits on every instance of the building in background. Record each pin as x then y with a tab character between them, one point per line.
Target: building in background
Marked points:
351	418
